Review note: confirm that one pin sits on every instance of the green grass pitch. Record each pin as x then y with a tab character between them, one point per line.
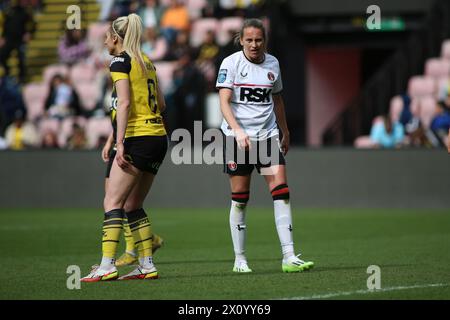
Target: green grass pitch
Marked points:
412	248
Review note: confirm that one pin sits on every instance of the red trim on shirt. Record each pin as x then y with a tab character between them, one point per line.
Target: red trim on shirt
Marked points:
252	85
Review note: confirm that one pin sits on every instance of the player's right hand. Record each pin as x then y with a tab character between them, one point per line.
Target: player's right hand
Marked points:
105	153
120	157
242	139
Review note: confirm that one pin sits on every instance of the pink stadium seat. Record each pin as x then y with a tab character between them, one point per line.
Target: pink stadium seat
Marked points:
96	128
363	142
395	109
96	34
67	128
49	124
164	71
82	72
34	95
199	29
88	93
226	25
421	86
445	50
54	69
195	7
437	67
427	111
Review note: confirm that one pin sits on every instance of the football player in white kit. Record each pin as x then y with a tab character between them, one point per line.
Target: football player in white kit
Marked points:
249	84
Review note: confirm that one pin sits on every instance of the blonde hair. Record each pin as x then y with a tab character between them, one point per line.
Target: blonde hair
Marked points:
129	30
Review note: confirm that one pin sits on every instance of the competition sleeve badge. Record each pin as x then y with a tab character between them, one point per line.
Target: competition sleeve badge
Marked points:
222	75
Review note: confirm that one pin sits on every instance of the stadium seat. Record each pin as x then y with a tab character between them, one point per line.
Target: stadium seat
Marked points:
200	28
88	93
427	110
363	142
437	67
34	95
49	124
445	50
395	108
67	128
82	72
226	25
96	34
54	69
195	8
96	128
164	71
421	86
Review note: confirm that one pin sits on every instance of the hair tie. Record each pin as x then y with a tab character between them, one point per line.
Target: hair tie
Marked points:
114	29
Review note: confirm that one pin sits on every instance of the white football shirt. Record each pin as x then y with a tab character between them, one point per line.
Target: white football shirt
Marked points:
252	85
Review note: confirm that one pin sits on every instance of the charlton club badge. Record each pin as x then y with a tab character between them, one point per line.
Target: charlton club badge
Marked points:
271	76
232	165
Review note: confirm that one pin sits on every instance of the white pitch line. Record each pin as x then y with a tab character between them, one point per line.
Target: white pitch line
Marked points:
367	291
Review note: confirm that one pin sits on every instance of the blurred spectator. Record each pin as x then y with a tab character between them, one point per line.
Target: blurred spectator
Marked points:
174	19
62	99
21	134
103	105
18	27
189	93
151	13
210	10
387	134
206	60
154	46
228	48
441	123
78	140
73	47
105	9
120	8
3	144
11	100
418	127
37	5
243	8
49	140
406	114
179	47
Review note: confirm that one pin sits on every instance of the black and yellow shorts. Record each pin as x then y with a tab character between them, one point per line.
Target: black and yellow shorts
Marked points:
146	153
263	154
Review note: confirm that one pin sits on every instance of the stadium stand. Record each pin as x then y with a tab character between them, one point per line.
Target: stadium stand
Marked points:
87	77
424	92
418	71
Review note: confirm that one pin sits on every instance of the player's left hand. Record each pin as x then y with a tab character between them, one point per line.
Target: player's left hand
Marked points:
284	145
120	156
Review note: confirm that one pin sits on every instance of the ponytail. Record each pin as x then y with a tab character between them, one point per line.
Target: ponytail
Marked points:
129	29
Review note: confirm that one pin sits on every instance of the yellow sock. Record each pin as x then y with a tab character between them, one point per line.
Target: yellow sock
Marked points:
112	226
156	240
142	232
129	241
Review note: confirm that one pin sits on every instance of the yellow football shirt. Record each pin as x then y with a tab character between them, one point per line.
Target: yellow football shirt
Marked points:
144	118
